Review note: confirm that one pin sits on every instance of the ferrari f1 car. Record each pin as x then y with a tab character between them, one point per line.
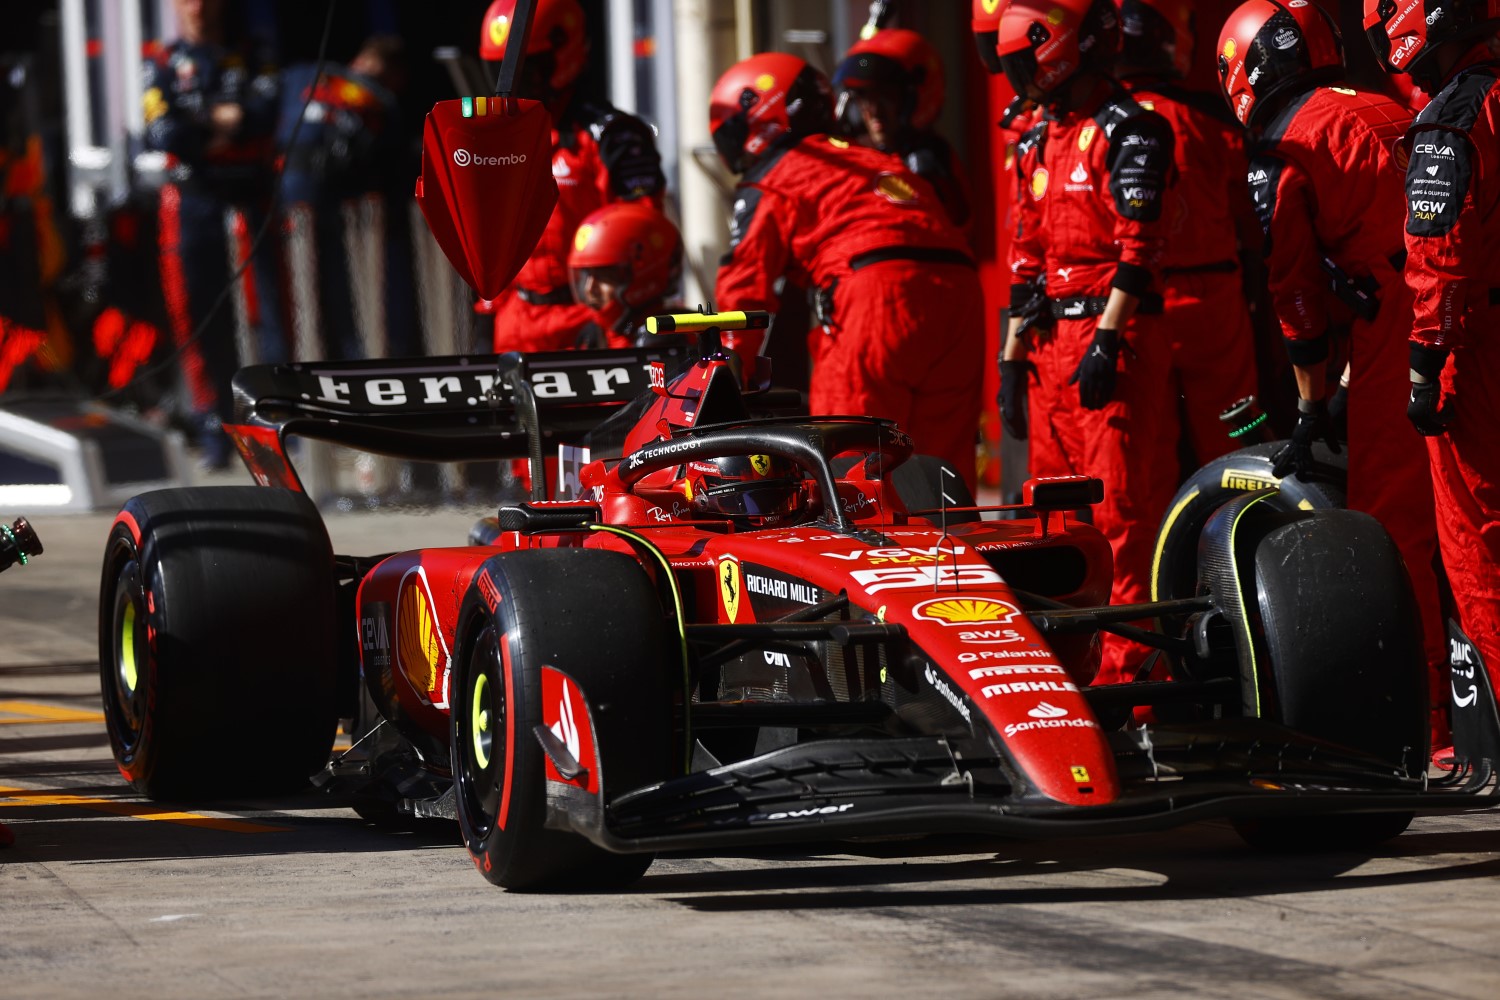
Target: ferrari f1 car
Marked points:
740	628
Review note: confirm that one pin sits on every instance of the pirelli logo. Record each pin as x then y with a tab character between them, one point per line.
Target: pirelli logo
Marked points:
1247	482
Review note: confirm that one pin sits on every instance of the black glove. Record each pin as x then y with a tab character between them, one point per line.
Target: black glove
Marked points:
1422	409
1338	413
627	147
1312	424
1095	374
1014	378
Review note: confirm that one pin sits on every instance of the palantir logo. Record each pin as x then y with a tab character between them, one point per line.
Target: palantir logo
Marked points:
461	157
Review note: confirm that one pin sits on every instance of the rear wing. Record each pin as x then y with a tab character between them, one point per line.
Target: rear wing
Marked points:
442	409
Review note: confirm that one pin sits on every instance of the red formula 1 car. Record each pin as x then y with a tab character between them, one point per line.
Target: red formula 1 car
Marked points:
747	628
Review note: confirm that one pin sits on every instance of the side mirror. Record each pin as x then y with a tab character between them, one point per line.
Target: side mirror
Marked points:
1062	492
486	188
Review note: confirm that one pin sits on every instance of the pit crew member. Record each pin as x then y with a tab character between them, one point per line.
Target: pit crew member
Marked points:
898	297
1086	256
889	90
626	263
1325	179
1453	270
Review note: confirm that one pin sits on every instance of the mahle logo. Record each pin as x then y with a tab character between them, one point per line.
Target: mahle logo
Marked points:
464	158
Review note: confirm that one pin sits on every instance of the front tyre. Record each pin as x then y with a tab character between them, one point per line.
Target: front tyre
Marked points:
594	619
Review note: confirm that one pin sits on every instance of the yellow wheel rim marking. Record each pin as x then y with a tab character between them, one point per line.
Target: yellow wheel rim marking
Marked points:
128	671
480	719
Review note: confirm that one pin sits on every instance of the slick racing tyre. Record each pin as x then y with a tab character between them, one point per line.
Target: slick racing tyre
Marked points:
586	628
217	641
1330	646
1174	569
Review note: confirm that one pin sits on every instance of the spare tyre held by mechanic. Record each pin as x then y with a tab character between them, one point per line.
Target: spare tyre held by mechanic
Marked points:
599	155
1086	257
889	90
1325	177
1204	310
898	298
1453	270
626	263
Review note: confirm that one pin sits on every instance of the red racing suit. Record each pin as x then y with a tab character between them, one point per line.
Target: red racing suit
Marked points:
900	302
1453	268
1204	309
599	155
1091	219
1325	180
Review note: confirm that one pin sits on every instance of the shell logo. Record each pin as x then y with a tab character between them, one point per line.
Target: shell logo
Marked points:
990	6
1039	183
966	611
499	31
1056	16
582	237
838	143
1400	154
1229	48
765	82
421	648
895	189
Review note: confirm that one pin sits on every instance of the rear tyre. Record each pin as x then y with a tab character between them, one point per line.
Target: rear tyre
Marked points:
594	617
217	642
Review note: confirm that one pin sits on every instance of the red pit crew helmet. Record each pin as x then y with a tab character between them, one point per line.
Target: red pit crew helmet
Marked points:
632	247
757	490
558	37
1405	34
759	100
1045	43
1268	49
898	60
1157	35
985	23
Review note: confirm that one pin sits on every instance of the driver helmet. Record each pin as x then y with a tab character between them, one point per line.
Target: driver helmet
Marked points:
1044	44
755	490
1405	35
1269	52
626	259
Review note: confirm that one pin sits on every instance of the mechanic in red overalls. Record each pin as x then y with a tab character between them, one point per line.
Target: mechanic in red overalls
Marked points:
1453	270
625	264
1206	316
898	297
1325	178
889	91
1087	254
600	155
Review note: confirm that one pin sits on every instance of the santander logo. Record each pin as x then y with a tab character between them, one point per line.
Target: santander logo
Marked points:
1045	711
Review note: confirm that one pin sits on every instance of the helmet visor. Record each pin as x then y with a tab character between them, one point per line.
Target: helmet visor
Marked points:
769	498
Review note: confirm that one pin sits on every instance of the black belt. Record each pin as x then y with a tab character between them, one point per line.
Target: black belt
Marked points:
925	255
1086	306
558	297
1216	267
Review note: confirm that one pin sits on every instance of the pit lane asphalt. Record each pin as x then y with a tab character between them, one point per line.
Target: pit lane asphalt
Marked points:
106	894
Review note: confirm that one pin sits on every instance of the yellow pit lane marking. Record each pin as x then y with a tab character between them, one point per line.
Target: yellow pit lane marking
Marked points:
31	713
40	797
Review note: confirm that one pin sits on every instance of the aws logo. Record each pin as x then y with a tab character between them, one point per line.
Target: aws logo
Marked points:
1426	210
